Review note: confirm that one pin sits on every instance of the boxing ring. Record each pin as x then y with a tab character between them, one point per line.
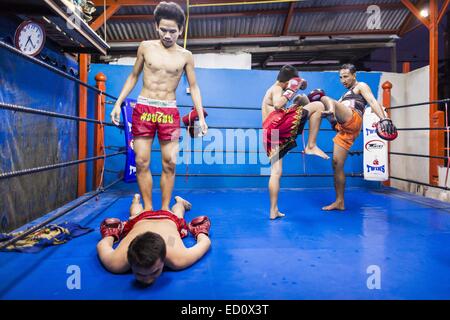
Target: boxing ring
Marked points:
403	239
308	255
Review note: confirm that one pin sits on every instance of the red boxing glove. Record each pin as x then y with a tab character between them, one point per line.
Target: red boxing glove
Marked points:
111	227
386	129
316	95
293	86
199	225
190	118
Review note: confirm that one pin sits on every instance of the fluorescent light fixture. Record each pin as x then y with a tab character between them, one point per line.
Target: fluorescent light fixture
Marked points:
315	62
424	13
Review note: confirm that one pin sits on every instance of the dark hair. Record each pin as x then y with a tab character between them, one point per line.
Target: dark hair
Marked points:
350	67
169	11
286	73
146	249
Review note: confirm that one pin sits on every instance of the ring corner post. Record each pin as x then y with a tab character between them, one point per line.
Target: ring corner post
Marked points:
82	126
99	148
437	140
387	87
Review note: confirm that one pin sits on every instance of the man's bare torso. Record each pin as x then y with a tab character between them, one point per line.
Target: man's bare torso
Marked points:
267	104
163	68
166	228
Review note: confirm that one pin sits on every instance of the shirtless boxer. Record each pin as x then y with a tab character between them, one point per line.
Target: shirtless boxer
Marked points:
346	116
150	240
163	63
281	126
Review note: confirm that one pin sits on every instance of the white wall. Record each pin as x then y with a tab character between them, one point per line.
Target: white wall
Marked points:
125	61
209	60
410	88
224	60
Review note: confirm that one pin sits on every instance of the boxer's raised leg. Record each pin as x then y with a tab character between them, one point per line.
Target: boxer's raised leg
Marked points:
142	151
341	112
315	117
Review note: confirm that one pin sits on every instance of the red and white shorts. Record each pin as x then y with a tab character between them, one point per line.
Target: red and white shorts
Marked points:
151	116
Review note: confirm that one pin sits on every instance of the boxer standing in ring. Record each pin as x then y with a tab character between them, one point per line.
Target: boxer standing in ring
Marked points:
163	63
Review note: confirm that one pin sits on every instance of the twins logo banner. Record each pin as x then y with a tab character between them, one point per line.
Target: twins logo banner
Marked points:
375	150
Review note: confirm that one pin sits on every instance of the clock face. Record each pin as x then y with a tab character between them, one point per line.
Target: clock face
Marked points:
30	38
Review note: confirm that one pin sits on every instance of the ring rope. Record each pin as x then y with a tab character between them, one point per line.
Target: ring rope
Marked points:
15	107
51	68
419	104
56	216
5	175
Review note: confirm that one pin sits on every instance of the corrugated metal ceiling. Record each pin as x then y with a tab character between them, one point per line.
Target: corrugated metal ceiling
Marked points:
264	23
240	22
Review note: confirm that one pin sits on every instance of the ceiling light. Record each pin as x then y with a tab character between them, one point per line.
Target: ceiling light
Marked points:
424	13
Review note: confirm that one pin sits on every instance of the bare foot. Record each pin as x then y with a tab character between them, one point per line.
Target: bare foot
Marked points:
187	205
337	205
316	151
136	206
276	215
136	198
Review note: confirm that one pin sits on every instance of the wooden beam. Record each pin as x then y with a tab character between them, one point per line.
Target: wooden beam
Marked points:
99	3
318	47
349	7
344	8
104	16
300	34
200	15
416	26
434	40
343	33
340	8
416	12
394	58
287	21
443	10
407	24
295	48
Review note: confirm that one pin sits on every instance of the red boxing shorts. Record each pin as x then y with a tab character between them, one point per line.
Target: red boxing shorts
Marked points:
281	128
150	116
160	214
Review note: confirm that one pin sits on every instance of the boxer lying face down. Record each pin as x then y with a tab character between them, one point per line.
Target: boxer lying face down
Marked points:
282	125
150	240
